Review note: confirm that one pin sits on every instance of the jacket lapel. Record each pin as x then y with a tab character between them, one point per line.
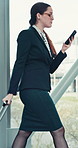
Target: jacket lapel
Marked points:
41	40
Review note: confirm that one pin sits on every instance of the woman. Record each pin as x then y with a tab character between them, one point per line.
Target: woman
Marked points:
36	59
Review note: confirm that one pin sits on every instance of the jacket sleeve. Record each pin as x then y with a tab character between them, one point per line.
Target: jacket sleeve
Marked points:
23	47
57	61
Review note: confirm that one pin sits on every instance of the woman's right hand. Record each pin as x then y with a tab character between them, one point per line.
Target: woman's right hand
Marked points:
8	99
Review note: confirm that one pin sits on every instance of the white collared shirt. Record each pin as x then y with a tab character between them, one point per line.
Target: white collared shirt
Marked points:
43	36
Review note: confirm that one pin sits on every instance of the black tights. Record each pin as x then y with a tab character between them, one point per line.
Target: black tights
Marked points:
21	139
58	139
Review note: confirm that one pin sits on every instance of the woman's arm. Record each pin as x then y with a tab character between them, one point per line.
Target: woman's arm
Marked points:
8	99
23	48
57	61
59	58
22	54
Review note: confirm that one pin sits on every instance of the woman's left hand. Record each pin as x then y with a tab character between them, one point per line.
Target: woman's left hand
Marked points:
65	46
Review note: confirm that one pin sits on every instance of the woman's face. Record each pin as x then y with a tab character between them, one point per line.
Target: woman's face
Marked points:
46	18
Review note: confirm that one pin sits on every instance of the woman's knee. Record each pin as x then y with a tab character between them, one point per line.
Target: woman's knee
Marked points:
25	134
59	132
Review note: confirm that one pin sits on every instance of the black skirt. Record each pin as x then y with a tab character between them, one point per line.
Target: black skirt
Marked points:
39	112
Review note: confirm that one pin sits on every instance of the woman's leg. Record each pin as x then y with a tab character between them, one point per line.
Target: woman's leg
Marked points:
59	139
21	139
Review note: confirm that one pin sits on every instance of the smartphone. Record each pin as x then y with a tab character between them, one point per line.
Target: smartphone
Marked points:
70	37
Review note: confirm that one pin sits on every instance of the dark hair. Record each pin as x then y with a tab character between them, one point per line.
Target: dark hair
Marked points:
39	7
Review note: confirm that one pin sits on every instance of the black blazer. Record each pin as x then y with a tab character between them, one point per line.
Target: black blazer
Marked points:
33	63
